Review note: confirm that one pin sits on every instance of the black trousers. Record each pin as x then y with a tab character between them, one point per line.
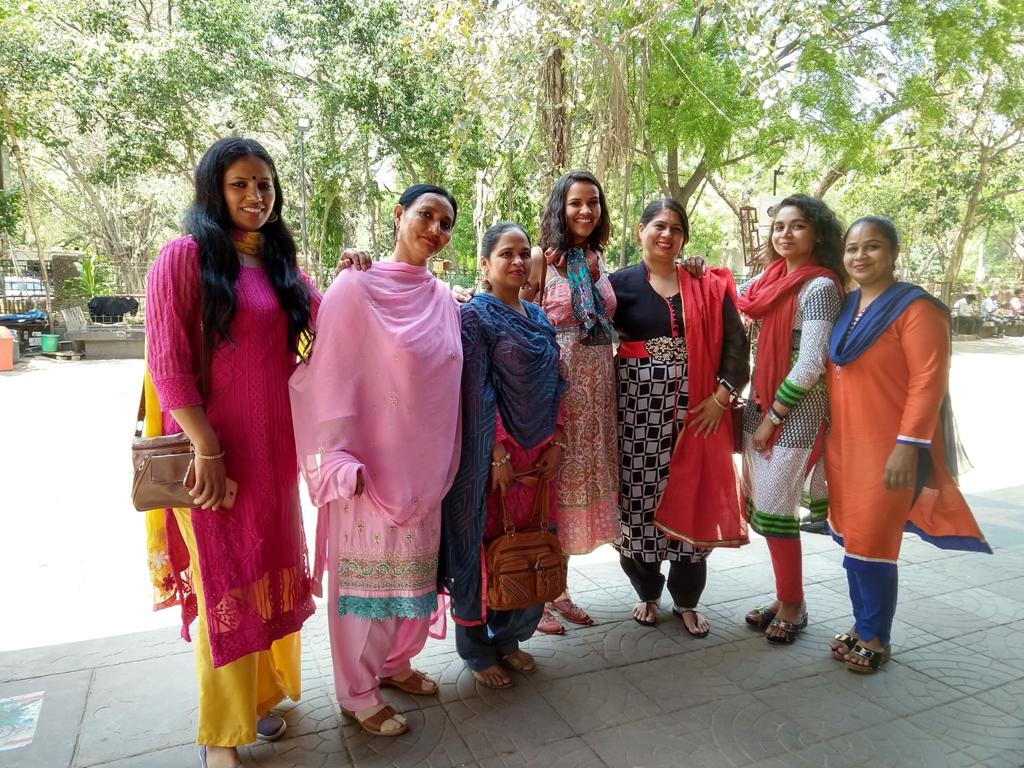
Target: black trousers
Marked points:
686	580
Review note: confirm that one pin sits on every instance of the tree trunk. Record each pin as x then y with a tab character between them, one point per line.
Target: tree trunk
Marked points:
833	175
626	186
956	259
29	209
556	119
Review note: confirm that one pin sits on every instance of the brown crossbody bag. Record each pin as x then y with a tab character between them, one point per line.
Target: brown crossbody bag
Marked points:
525	567
163	465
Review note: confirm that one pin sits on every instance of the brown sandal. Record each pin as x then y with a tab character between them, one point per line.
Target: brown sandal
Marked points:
517	662
841	645
416	683
787	630
374	724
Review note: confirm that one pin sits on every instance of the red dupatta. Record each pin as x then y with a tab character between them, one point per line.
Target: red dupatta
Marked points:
701	500
772	300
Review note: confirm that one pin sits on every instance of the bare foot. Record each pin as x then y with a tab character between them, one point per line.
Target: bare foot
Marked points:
493	677
646	612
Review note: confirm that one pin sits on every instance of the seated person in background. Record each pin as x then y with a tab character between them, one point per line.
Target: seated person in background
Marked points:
965	314
1017	304
990	312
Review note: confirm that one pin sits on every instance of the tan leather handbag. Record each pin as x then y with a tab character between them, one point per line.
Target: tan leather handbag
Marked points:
525	567
163	465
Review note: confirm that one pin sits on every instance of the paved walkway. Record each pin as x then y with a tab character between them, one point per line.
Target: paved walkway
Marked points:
615	694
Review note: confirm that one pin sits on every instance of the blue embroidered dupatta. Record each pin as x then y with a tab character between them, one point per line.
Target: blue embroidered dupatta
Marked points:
510	364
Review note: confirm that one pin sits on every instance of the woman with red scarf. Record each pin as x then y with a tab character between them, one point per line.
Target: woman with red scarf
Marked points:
683	352
794	303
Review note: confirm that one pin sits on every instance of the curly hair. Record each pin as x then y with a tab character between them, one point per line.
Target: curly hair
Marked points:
209	223
827	229
554	228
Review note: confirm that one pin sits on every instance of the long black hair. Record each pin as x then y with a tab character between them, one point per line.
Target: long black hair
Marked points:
827	228
554	229
209	222
656	207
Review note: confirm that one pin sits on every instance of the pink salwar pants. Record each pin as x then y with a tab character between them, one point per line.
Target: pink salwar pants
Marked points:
365	650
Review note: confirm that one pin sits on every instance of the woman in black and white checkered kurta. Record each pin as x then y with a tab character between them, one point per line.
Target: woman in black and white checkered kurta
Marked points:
652	404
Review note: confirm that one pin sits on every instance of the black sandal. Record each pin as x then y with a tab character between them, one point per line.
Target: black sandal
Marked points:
848	642
874	659
788	629
760	617
647	604
679	612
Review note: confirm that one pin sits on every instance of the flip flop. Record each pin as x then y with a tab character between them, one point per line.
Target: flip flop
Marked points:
679	612
641	622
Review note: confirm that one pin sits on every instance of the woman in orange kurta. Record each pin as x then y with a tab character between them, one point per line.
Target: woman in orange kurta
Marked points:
886	455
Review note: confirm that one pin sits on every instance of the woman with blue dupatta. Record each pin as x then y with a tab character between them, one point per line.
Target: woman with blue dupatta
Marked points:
890	458
511	393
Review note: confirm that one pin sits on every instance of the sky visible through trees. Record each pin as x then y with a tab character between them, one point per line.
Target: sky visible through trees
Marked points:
913	110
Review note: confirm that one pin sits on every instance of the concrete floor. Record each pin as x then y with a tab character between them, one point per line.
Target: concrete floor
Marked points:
119	689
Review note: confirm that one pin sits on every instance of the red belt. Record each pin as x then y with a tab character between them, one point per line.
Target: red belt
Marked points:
634	349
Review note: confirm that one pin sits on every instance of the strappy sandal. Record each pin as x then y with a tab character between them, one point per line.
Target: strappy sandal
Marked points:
571	612
760	617
874	659
842	644
696	617
374	724
788	629
417	683
647	607
520	661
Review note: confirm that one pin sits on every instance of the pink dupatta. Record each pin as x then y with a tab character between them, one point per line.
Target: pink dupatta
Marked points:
380	395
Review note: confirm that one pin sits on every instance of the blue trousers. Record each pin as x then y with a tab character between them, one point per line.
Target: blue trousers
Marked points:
873	588
483	645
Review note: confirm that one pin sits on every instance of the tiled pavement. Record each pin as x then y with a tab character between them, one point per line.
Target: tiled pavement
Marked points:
616	693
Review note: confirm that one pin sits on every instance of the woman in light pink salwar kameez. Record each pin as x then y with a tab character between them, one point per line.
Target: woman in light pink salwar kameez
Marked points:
376	416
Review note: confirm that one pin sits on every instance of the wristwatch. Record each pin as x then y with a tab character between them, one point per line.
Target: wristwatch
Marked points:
774	417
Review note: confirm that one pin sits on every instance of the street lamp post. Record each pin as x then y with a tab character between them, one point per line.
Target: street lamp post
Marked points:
303	124
780	171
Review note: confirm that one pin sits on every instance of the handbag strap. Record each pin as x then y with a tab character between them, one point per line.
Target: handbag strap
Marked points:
541	501
204	382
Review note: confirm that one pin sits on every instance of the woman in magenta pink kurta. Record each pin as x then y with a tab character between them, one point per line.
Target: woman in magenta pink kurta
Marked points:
256	586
